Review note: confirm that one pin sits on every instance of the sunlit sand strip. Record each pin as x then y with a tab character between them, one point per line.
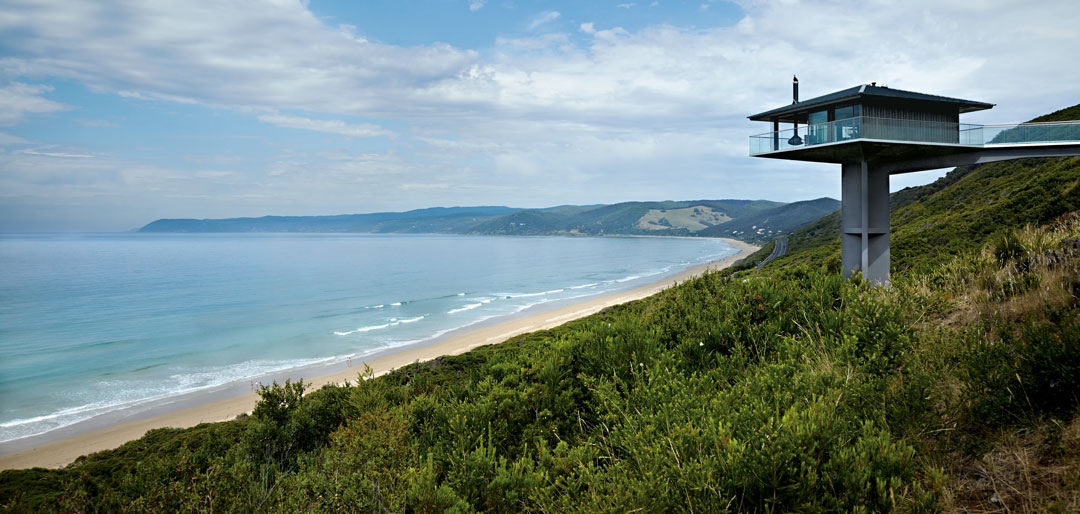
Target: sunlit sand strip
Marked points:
508	335
574	315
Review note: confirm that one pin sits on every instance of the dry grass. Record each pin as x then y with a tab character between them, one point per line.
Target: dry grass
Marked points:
1028	471
1044	285
1039	267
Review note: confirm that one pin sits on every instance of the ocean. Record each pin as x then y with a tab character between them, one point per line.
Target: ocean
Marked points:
94	323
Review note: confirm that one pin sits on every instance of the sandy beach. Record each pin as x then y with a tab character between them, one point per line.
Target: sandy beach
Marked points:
63	451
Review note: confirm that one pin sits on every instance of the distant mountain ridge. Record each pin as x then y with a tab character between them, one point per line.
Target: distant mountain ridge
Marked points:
753	220
434	219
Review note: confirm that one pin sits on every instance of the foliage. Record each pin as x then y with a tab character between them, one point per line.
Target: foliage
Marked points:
287	425
786	389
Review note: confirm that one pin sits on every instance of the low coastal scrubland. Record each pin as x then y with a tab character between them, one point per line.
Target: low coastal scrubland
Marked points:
784	391
775	390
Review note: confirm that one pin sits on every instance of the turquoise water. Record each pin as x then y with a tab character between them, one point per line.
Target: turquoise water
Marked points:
92	323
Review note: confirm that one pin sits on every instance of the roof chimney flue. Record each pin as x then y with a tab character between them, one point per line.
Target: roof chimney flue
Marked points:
794	89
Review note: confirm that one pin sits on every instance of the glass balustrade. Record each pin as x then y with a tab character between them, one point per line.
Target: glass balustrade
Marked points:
886	129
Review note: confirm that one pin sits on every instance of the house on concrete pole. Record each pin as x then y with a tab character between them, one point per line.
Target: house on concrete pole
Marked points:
875	131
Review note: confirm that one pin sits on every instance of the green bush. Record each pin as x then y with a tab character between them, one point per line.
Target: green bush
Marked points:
286	424
1007	248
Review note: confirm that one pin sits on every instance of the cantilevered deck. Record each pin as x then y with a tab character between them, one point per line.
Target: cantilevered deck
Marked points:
833	141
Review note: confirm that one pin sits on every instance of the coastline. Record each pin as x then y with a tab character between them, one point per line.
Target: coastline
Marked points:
60	452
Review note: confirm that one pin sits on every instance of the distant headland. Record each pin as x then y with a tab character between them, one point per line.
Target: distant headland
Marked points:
748	220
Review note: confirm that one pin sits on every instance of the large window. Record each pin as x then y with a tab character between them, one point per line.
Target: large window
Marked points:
846	125
818	131
833	124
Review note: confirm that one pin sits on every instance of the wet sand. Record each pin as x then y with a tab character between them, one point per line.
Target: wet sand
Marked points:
58	453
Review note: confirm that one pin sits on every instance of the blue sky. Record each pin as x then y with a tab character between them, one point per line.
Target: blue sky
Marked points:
116	113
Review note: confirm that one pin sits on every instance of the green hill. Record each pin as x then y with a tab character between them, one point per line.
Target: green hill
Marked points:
784	389
628	218
525	223
770	223
668	218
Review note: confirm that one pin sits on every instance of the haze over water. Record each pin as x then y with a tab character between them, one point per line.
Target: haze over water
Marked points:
91	323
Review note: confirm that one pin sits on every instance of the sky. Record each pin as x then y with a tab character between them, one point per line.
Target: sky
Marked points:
117	113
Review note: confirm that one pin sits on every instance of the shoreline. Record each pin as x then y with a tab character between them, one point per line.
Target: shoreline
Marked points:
202	408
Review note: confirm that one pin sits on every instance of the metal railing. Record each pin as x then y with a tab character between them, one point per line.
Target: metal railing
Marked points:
887	129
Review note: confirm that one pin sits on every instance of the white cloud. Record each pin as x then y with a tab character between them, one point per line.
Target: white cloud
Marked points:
658	111
476	5
281	57
127	194
543	19
62	155
225	54
626	5
339	127
17	100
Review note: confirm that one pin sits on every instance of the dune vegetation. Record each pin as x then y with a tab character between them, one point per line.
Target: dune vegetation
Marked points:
781	389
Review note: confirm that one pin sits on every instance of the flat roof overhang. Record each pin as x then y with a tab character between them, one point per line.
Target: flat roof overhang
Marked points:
797	112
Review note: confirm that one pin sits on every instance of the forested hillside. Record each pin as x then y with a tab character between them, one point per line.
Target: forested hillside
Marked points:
784	389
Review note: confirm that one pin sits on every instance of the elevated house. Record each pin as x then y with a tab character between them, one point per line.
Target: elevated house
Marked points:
874	131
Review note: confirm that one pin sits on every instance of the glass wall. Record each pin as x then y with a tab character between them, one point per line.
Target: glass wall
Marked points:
817	130
846	126
833	124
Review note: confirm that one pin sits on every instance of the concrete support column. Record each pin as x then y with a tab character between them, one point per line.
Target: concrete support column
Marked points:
864	245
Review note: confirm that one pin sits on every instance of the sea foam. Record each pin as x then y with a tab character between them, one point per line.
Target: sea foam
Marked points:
363	329
469	307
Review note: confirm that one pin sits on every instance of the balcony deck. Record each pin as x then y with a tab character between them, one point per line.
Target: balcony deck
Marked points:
899	139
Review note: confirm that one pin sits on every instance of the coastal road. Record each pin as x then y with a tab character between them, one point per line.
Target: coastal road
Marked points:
779	249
